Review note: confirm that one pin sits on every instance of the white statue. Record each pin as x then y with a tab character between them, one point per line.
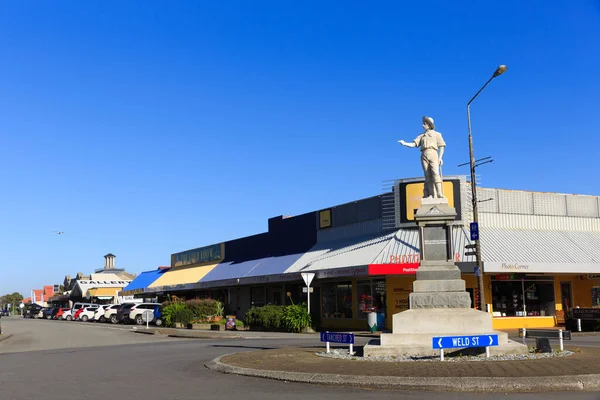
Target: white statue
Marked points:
432	149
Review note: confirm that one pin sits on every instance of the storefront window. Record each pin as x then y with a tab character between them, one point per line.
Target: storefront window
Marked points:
596	296
257	296
371	297
523	298
337	300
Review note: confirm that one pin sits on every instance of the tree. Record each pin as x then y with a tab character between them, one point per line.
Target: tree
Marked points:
13	299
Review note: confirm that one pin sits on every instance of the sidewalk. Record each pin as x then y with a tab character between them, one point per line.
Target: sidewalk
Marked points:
580	371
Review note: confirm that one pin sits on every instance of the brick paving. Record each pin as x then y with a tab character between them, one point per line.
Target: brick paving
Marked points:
584	361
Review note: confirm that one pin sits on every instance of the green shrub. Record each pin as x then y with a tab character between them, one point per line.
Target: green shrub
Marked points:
264	318
203	309
295	318
176	312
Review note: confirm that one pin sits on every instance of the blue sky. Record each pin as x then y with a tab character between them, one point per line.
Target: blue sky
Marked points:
148	128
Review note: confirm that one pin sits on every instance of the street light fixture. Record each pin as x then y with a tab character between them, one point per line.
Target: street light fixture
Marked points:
499	71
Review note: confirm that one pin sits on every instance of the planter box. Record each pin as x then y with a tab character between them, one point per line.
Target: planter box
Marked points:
205	327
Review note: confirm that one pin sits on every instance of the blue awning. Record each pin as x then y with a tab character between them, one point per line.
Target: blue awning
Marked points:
258	267
142	281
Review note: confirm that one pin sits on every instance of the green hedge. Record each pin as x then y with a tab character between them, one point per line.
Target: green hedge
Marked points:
293	318
190	311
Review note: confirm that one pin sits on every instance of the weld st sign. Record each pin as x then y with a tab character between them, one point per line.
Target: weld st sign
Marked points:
452	342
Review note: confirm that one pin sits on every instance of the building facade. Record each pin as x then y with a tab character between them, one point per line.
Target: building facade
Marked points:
540	252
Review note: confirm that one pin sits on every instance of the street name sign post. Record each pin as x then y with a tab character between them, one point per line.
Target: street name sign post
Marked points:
308	277
454	342
147	315
338	337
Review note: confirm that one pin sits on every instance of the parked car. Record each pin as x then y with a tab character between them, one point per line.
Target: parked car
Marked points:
32	311
88	313
99	314
110	313
158	318
48	312
60	313
122	314
77	314
135	312
78	306
67	314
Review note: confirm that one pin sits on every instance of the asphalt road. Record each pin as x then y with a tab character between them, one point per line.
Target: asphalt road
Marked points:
67	360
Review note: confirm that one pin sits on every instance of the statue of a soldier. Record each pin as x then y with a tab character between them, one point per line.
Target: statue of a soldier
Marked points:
432	149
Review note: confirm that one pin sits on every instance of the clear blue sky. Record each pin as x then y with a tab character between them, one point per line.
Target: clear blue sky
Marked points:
148	128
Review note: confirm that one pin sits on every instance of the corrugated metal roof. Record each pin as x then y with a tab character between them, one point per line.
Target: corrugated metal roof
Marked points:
320	249
403	242
273	265
343	253
258	267
359	251
406	242
533	245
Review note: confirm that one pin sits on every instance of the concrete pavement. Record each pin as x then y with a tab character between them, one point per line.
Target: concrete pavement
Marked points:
160	368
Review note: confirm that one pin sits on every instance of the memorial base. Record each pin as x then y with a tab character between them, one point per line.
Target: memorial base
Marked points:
414	330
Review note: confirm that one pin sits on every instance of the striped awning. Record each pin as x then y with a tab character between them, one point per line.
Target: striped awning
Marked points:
103	293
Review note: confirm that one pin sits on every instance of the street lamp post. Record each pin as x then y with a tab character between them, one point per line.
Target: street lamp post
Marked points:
499	71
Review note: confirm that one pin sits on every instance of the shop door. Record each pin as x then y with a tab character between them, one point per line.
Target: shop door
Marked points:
566	296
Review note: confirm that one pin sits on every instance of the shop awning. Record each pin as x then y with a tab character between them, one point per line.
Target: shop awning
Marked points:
103	293
182	276
356	251
397	248
142	281
539	251
259	267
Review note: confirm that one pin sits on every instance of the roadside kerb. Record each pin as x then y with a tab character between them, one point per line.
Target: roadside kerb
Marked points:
532	384
186	335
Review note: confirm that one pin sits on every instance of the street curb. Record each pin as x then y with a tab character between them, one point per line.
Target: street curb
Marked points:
145	332
4	337
586	383
179	335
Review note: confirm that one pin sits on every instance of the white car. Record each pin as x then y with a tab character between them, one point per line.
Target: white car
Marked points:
110	313
67	315
88	313
135	312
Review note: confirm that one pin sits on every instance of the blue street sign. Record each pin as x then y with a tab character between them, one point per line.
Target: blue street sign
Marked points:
474	231
453	342
347	338
476	271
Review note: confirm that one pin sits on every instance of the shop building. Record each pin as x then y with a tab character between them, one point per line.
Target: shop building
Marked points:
102	286
540	252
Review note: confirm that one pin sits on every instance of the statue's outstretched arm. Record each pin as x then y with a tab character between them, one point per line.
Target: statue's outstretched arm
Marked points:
409	144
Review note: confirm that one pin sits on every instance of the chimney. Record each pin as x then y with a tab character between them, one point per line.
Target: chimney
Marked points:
109	261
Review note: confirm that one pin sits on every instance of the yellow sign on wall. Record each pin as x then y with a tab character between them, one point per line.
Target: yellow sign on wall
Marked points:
414	194
325	218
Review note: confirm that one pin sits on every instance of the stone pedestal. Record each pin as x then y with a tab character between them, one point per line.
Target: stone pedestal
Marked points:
439	304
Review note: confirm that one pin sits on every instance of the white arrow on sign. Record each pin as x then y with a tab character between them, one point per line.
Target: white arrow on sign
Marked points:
440	342
491	340
308	277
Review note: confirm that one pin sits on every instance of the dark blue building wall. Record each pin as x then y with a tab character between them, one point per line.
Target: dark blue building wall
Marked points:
293	235
247	248
298	234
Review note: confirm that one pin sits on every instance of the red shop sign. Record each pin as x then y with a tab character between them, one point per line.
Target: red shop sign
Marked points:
393	269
